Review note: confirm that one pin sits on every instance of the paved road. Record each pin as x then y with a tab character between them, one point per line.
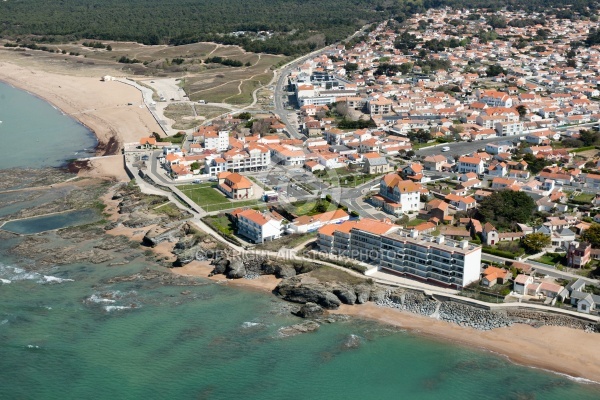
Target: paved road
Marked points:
544	269
281	86
462	148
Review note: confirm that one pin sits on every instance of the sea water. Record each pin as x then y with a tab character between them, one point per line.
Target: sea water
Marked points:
34	134
66	332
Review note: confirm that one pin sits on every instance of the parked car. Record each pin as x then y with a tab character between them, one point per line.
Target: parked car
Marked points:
445	148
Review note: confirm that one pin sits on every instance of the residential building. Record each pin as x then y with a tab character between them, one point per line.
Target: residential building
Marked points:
470	164
307	223
258	227
419	256
397	196
578	254
235	186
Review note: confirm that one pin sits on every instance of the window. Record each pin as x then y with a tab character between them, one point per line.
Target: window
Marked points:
584	307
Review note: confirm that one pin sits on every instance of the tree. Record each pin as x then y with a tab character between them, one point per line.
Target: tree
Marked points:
589	137
535	242
522	110
506	207
535	164
494	70
592	235
351	67
195	165
244	115
109	48
321	207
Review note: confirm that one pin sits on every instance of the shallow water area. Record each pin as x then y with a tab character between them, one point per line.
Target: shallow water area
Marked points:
45	223
34	134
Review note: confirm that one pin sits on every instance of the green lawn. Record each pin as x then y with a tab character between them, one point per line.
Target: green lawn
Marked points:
207	196
415	222
222	223
310	207
584	197
552	259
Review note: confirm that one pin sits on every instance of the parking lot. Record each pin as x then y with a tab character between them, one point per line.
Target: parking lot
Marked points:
280	180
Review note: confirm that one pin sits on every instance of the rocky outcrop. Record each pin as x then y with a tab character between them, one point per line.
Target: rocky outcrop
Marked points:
220	266
345	294
310	310
363	292
236	270
302	291
308	326
156	235
284	272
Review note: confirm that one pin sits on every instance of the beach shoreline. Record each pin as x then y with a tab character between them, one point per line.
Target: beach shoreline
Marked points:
103	108
521	344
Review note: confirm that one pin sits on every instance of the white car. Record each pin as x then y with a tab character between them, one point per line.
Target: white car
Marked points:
445	148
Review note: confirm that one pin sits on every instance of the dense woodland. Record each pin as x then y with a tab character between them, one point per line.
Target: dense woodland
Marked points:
295	26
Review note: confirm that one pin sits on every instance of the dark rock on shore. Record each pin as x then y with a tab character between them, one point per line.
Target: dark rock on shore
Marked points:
310	310
220	266
297	291
345	294
284	272
236	270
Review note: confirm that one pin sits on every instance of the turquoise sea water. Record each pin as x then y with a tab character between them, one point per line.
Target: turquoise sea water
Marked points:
34	134
67	333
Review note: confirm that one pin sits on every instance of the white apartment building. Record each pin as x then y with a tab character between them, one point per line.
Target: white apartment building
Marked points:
470	164
509	128
287	155
258	227
426	258
254	157
217	141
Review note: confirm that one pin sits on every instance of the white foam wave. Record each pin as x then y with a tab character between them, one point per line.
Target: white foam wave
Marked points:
10	273
5	281
4	321
116	308
250	324
97	299
31	346
54	279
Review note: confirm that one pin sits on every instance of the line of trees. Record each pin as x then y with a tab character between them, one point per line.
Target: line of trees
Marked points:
224	61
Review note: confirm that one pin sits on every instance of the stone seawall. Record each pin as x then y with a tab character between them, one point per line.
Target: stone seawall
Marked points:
476	316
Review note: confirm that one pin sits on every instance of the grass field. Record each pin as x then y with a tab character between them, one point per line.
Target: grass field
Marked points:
584	197
222	223
209	112
183	115
310	208
552	259
207	196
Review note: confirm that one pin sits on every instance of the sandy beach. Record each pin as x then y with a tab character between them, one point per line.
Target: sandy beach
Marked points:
100	106
559	349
